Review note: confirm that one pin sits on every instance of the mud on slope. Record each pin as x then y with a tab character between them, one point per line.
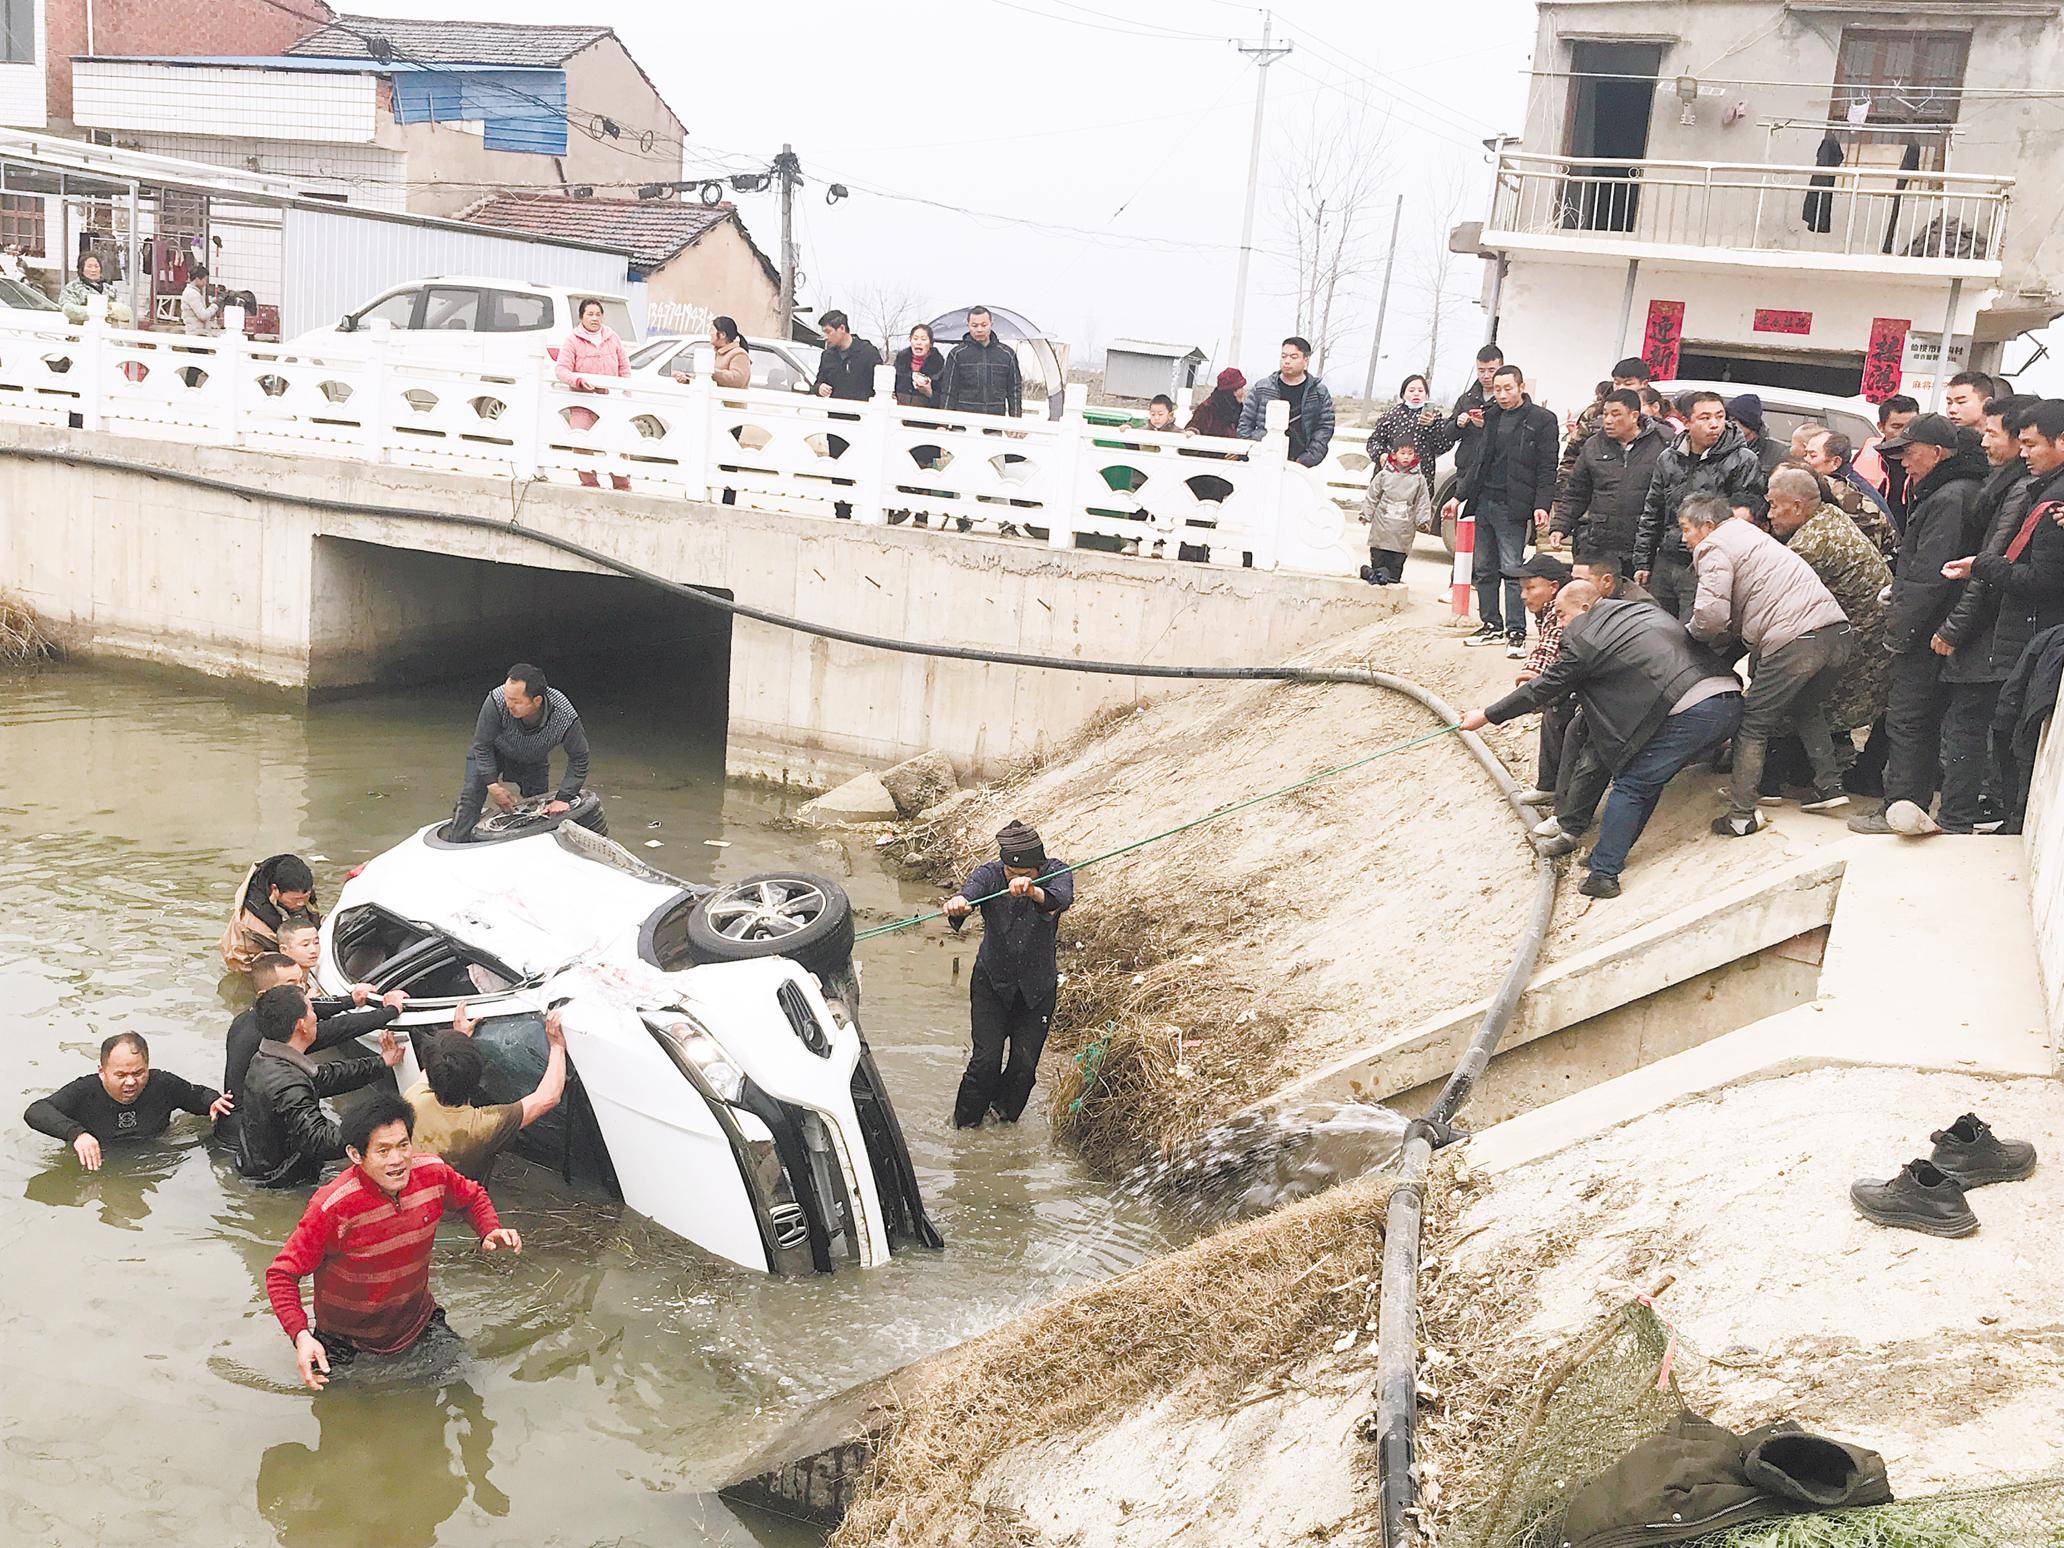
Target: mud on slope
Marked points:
1221	962
1229	960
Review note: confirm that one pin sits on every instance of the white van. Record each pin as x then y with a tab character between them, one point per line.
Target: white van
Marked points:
462	320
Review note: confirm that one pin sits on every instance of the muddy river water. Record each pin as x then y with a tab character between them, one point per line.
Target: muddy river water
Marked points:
611	1374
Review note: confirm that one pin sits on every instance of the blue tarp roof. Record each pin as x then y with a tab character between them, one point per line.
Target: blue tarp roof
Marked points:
518	110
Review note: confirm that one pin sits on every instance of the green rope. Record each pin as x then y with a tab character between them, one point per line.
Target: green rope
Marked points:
1090	1061
1195	822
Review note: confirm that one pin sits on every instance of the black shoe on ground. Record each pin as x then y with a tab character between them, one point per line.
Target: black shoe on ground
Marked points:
1596	886
1825	798
1737	827
1368	574
1973	1155
1921	1197
1489	634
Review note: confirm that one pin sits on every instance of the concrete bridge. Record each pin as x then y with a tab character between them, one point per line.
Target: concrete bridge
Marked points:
247	584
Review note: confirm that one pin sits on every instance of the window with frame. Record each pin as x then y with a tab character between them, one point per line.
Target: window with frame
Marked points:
448	309
21	220
509	311
1909	84
17	31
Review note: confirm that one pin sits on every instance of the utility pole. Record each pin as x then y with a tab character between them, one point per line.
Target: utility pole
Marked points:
1263	54
1383	301
790	172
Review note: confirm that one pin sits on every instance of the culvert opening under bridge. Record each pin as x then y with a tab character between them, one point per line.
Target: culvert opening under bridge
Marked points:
382	617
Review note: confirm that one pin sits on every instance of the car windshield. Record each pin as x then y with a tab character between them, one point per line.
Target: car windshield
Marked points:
24	298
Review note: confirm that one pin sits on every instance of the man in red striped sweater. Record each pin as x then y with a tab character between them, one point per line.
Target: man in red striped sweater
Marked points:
366	1237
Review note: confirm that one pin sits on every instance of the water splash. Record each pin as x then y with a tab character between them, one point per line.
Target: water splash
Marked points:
1260	1161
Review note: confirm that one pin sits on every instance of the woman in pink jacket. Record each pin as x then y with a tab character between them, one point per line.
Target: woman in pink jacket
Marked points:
592	350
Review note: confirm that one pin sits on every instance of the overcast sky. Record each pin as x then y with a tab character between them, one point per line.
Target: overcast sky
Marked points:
1104	146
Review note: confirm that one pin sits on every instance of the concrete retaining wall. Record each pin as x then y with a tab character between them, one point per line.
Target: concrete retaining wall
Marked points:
240	586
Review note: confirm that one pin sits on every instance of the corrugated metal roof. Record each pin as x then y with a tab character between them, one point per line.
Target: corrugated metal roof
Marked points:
650	230
509	44
1150	347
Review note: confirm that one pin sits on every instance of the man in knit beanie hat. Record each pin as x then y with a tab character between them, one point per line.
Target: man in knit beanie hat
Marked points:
1011	991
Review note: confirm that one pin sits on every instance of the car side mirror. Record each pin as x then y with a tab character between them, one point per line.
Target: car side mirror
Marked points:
348	324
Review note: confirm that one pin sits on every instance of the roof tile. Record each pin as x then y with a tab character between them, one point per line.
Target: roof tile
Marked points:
506	44
650	230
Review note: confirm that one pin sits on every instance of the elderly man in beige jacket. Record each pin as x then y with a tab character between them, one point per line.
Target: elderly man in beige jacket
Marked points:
1754	589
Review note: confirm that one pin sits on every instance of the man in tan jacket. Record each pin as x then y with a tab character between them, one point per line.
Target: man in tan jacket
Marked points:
1754	589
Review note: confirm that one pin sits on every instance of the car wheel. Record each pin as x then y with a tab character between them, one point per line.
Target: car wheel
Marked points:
778	914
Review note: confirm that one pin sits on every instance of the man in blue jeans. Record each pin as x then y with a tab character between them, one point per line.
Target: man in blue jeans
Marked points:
1653	704
1506	491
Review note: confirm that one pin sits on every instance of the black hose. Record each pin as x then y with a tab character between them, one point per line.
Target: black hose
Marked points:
1396	1337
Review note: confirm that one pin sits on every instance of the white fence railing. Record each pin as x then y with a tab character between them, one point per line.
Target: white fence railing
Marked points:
1855	211
1065	482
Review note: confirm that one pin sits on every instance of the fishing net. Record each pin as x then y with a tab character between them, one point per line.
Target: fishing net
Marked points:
1618	1388
1613	1392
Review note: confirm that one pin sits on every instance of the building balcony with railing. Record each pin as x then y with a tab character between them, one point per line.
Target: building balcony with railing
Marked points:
1854	219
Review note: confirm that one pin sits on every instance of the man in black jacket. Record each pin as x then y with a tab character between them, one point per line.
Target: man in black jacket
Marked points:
1943	523
1975	659
2019	581
1463	428
1653	705
283	1138
846	368
1506	490
982	375
1600	508
1710	457
338	1020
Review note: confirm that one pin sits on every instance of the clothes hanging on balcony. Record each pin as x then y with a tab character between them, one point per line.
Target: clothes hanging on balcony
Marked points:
1910	162
1819	212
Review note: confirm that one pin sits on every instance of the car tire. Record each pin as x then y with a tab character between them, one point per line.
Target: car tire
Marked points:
734	923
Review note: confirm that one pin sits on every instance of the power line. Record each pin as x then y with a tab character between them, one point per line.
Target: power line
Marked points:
1353	66
1167	34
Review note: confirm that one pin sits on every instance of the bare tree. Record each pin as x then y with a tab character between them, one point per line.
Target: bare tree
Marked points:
887	310
1439	270
1328	184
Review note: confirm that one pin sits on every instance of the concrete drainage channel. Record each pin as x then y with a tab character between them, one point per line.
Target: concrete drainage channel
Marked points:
806	1483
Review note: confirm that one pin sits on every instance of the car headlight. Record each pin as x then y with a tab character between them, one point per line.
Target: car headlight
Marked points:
703	1051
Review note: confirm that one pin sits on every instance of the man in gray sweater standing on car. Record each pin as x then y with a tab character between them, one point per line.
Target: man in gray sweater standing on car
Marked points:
511	756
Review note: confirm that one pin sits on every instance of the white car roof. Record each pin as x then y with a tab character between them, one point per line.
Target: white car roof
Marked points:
1774	397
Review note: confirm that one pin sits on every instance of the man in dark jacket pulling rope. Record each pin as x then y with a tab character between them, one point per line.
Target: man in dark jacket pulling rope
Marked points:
519	725
1016	977
1653	703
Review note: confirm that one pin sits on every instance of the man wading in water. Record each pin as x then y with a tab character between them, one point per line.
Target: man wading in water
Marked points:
366	1238
520	723
1012	989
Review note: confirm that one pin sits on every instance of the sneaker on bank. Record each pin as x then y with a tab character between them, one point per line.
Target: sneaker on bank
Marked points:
1489	634
1908	820
1825	798
1534	795
1921	1197
1515	649
1728	826
1870	822
1549	827
1596	886
1973	1155
1558	845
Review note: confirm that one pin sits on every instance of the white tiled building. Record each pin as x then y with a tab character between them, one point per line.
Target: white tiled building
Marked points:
1664	188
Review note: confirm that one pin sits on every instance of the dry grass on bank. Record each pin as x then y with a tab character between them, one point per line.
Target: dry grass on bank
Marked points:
21	638
1209	1320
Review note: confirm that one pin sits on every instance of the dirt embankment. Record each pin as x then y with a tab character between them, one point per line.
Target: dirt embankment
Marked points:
1211	969
1197	1394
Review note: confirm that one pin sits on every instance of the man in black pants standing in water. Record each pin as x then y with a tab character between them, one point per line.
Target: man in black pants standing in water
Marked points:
519	725
1012	988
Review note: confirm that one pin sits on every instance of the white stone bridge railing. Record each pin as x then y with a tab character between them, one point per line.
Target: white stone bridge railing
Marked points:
1066	482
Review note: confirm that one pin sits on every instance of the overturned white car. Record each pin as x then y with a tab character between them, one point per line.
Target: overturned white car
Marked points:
718	1079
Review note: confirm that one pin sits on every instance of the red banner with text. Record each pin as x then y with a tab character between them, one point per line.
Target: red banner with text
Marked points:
1882	362
1663	336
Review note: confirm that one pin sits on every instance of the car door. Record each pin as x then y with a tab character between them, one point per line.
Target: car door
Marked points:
397	309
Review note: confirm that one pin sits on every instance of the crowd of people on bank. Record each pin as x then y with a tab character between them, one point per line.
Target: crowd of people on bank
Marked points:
1702	594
